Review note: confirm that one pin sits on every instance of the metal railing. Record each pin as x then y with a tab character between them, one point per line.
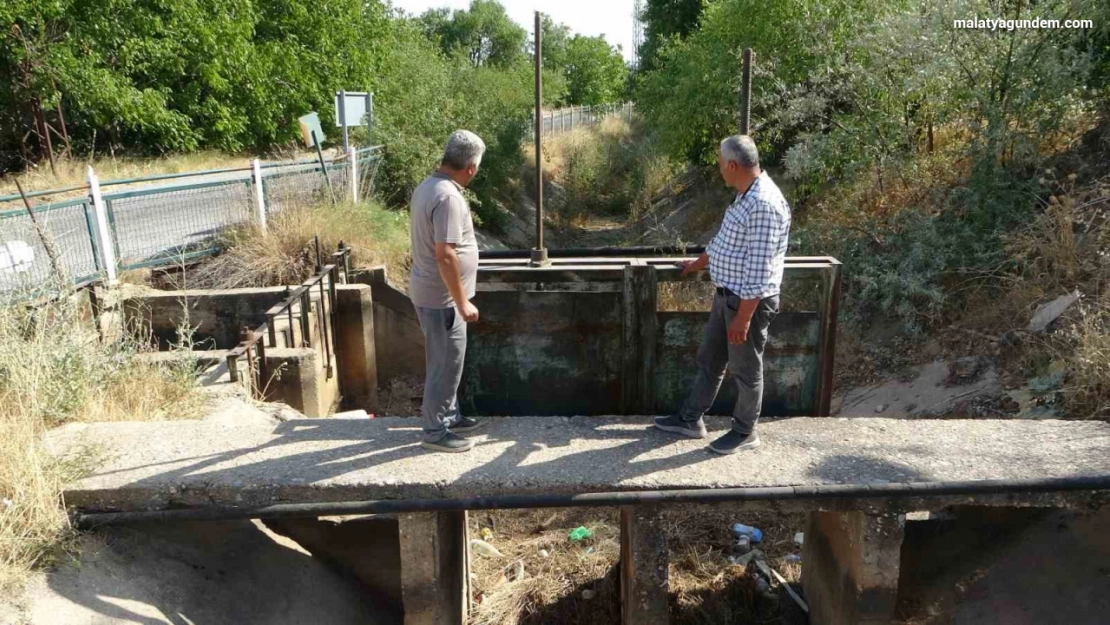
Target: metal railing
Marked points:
559	121
161	225
254	343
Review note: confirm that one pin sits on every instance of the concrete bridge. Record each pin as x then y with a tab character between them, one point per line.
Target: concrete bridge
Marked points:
857	479
593	337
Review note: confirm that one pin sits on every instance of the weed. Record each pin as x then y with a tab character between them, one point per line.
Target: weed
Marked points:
55	369
285	253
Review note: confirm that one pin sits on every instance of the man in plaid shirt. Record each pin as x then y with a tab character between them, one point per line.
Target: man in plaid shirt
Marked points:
745	261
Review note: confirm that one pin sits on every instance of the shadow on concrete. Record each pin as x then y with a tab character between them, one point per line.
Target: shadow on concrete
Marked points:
1007	566
199	574
610	456
848	469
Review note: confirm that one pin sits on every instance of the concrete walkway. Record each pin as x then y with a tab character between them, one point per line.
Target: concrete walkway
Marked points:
157	465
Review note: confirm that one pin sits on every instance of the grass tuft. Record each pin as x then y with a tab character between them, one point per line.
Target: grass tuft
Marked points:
286	253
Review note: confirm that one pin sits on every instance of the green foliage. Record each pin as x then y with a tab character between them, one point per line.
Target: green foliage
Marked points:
595	71
423	97
855	93
665	21
183	74
483	34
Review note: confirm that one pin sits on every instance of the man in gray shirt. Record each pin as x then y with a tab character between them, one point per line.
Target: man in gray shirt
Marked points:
444	271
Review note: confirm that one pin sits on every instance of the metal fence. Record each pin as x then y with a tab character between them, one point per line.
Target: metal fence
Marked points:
145	226
564	120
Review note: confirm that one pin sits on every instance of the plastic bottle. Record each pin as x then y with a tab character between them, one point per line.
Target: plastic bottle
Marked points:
754	533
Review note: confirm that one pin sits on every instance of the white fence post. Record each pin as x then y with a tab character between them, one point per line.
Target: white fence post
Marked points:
103	230
259	193
352	173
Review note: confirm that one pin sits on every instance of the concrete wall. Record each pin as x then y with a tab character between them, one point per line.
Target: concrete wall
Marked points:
215	316
399	343
297	377
315	380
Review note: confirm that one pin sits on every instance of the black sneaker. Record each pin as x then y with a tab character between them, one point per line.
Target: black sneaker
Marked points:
450	443
675	425
733	442
465	424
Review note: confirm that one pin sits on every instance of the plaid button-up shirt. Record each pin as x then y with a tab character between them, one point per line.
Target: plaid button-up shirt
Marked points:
748	254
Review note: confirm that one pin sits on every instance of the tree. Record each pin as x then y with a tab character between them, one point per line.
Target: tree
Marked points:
483	34
595	71
667	20
555	37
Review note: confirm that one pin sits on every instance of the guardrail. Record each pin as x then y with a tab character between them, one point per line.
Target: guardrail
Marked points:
105	232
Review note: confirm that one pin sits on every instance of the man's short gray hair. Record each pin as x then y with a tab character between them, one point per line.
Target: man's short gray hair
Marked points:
740	149
464	148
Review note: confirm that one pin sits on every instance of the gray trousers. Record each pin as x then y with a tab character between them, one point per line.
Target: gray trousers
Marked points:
444	352
744	363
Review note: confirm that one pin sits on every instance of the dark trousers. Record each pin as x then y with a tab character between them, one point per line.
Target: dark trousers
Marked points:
744	362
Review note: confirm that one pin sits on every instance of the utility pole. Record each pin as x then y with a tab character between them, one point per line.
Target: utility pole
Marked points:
539	253
746	94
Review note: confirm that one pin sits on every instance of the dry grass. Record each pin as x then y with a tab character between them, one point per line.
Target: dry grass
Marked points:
53	370
285	253
609	169
706	587
71	172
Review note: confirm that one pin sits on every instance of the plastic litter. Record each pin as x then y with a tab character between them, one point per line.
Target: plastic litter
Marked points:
544	553
744	543
793	558
754	533
487	533
579	534
799	538
484	548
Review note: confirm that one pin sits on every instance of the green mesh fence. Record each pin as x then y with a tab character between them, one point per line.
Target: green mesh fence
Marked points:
165	225
24	262
172	224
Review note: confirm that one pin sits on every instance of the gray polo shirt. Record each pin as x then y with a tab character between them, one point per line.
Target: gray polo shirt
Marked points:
439	214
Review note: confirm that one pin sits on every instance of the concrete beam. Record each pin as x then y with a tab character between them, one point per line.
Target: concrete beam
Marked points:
435	568
355	353
644	563
850	567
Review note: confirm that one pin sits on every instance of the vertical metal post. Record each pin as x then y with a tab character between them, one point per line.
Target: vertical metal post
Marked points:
103	233
343	117
323	166
539	253
746	94
352	173
259	196
306	306
370	118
